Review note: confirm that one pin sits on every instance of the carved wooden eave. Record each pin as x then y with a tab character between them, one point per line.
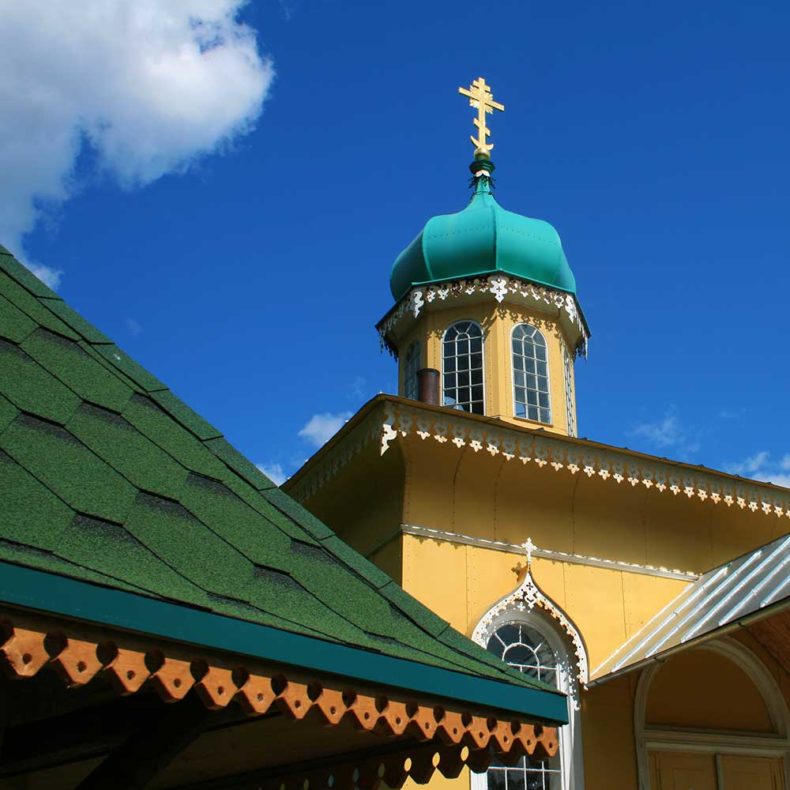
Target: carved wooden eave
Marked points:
498	289
433	735
388	419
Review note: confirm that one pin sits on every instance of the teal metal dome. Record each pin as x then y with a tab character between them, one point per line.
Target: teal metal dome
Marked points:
481	240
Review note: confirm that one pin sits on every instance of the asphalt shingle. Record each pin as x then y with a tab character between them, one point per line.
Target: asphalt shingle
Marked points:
108	477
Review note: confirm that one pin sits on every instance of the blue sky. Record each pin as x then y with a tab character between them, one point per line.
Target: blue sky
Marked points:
243	257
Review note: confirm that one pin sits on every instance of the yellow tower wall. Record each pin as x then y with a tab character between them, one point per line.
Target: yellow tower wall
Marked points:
497	323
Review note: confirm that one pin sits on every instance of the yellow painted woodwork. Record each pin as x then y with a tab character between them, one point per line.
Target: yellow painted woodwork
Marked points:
497	322
703	689
677	771
606	606
369	498
608	736
739	772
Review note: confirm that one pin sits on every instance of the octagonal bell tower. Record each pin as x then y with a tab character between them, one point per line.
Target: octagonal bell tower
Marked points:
486	318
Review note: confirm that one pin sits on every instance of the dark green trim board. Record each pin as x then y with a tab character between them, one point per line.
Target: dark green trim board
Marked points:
46	592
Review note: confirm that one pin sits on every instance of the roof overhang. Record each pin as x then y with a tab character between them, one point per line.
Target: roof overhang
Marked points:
295	710
387	420
496	288
138	614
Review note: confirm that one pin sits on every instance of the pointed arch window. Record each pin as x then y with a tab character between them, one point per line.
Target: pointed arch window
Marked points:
411	365
530	374
527	630
462	367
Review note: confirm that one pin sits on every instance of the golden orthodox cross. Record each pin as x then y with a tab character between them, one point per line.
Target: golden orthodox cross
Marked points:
481	98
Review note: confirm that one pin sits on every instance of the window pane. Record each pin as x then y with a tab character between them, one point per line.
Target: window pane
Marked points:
535	657
462	355
530	356
496	780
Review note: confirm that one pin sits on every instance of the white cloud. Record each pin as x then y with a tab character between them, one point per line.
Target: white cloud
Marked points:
49	276
761	466
133	327
274	472
149	85
322	427
665	433
749	465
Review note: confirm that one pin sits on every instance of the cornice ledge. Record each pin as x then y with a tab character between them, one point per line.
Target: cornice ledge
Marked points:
336	458
498	286
557	455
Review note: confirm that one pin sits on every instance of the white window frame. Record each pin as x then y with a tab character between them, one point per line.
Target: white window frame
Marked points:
482	361
513	375
570	399
571	756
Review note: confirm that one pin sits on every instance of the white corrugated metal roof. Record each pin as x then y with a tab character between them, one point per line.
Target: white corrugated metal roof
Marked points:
718	598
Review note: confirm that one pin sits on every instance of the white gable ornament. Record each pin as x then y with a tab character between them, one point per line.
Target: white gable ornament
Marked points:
526	597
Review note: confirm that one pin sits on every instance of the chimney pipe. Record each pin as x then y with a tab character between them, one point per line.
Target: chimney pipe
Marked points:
428	386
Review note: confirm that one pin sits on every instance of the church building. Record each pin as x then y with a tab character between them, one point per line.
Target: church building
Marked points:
653	593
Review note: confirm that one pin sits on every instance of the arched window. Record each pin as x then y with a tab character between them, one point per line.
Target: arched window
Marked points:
530	374
411	364
462	367
529	650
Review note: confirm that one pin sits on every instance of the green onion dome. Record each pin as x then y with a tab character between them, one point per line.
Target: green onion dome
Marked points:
481	240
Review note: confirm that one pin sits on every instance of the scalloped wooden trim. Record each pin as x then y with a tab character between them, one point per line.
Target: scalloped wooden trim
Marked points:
452	738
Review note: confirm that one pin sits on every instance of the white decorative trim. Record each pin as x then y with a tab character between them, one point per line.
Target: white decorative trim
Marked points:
514	608
499	286
525	598
666	739
548	554
547	452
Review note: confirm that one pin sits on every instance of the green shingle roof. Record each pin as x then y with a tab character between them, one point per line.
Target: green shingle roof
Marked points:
107	477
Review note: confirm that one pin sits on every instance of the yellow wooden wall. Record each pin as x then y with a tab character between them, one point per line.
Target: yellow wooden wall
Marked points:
497	323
